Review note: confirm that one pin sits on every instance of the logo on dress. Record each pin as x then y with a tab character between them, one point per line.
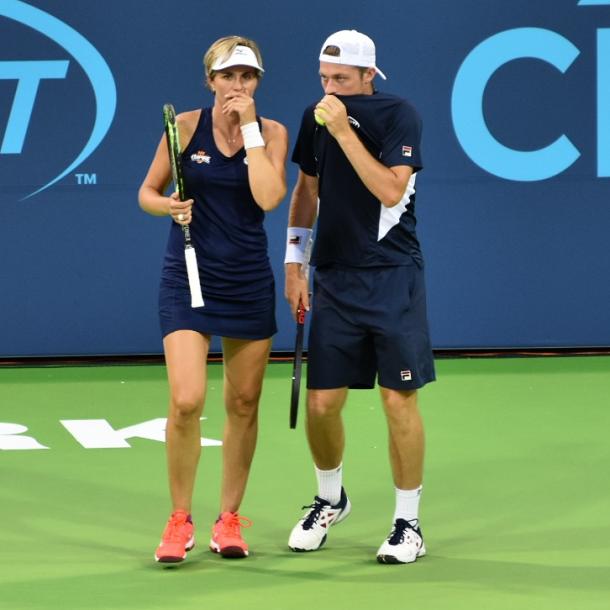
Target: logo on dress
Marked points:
353	122
407	151
405	375
200	157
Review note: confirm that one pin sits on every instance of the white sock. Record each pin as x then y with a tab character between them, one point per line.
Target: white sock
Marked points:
407	504
329	484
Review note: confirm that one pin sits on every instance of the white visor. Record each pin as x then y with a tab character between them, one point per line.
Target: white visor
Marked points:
241	56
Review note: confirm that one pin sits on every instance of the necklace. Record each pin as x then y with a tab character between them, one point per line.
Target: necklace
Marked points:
225	137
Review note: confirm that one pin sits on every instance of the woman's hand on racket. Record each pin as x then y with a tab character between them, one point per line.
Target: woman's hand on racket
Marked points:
180	211
296	288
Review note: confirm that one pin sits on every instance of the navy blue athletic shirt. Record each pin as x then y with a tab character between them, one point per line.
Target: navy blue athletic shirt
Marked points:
227	227
354	228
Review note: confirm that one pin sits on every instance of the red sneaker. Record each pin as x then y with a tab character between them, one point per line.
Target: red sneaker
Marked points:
178	538
226	535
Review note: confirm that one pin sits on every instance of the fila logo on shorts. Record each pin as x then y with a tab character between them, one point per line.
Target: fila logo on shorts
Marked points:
200	157
405	375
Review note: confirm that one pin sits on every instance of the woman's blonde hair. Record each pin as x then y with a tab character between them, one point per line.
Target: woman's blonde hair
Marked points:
223	47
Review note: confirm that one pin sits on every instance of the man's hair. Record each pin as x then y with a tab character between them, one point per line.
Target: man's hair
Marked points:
332	50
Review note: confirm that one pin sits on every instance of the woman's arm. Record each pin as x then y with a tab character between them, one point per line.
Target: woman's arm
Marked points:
151	194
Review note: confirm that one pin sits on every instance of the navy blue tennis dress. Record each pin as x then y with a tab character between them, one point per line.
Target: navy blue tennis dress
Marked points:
231	245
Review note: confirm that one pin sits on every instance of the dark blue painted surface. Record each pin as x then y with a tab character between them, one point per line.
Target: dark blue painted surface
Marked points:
510	263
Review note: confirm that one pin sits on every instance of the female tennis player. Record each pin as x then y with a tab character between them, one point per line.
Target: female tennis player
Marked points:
234	171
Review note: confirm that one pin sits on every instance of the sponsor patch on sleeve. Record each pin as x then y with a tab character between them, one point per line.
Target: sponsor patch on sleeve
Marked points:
407	151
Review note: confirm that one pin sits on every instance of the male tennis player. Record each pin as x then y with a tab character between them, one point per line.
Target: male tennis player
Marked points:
369	304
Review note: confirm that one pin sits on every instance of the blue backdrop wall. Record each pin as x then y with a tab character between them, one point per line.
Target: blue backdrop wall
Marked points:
513	204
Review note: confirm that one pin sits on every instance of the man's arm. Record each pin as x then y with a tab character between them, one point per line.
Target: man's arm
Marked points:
303	214
388	184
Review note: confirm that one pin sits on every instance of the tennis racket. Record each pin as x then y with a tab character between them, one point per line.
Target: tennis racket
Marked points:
175	159
296	368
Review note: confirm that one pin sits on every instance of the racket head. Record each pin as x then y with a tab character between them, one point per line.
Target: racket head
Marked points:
173	147
297	365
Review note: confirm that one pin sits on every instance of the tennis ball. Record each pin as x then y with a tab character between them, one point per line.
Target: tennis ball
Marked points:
317	115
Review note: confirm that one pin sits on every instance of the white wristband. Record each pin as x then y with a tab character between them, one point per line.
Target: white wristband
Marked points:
298	245
251	133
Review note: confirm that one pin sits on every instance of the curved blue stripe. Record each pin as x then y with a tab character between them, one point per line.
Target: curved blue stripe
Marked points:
94	65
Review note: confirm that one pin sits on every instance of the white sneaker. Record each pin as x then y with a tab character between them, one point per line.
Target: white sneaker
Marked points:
309	534
404	544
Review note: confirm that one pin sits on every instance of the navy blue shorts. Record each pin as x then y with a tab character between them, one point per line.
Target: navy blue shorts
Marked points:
222	318
369	323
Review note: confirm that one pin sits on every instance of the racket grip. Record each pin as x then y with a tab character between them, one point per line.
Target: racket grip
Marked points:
187	236
300	313
193	275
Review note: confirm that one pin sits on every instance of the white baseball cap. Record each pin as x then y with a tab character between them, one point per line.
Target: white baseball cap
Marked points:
241	56
355	49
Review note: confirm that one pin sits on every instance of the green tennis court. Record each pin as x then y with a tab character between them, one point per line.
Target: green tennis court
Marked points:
515	509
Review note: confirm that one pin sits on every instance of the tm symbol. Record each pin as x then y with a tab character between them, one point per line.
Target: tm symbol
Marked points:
84	179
